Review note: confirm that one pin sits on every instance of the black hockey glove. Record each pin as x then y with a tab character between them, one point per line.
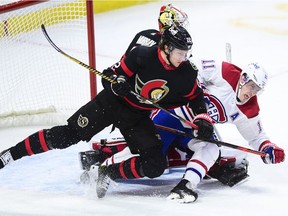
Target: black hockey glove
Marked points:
205	126
121	88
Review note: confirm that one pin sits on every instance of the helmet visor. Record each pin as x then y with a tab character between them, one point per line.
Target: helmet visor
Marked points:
253	87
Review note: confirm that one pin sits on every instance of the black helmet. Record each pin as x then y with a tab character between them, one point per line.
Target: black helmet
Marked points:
177	37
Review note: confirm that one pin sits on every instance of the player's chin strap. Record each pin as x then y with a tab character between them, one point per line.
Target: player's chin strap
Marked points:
239	87
238	92
217	142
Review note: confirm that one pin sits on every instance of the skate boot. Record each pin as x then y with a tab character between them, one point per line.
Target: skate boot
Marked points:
5	158
182	193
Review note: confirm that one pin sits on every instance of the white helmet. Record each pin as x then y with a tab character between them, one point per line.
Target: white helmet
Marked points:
257	74
170	15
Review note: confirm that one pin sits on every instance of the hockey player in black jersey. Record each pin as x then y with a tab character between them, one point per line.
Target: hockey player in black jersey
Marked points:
162	74
168	15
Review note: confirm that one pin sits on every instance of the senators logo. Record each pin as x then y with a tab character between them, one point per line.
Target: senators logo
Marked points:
82	121
154	90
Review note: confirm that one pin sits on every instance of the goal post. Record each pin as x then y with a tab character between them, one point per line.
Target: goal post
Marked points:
37	85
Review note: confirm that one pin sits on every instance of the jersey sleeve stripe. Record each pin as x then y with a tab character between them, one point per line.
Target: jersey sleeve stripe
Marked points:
125	68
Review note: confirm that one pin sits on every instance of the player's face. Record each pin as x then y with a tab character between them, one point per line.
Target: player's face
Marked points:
177	56
248	90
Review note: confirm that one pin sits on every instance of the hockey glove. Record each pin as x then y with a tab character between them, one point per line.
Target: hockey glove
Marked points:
121	88
205	126
274	154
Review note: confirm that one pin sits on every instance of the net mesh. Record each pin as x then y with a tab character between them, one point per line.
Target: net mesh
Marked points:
35	79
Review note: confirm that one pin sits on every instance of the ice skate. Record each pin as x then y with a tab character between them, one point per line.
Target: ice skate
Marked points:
182	193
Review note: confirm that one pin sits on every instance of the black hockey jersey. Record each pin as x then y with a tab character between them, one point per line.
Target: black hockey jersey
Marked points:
151	77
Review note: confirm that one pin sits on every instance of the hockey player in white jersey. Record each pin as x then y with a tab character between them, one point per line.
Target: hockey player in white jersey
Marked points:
231	95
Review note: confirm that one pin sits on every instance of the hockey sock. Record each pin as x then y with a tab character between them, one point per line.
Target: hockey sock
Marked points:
58	137
33	144
129	169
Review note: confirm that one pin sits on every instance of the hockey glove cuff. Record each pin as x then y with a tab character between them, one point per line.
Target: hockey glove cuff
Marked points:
274	154
205	126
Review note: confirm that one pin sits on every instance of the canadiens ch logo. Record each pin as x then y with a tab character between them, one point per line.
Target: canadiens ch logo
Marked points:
154	90
216	109
82	121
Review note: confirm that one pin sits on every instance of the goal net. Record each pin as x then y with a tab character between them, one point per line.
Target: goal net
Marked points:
37	84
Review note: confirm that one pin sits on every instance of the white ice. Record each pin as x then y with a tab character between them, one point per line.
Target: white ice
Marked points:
48	184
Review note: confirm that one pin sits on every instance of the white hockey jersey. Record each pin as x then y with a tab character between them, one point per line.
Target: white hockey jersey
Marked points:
219	82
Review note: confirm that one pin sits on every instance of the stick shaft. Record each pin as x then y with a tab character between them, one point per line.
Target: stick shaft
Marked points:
72	58
219	143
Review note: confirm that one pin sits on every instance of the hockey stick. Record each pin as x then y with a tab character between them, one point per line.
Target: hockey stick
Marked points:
219	143
74	59
113	81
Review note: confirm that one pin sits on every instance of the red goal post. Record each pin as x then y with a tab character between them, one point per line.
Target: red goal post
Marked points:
37	85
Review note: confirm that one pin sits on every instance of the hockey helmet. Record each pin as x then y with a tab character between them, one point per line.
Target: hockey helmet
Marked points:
257	74
176	37
170	15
